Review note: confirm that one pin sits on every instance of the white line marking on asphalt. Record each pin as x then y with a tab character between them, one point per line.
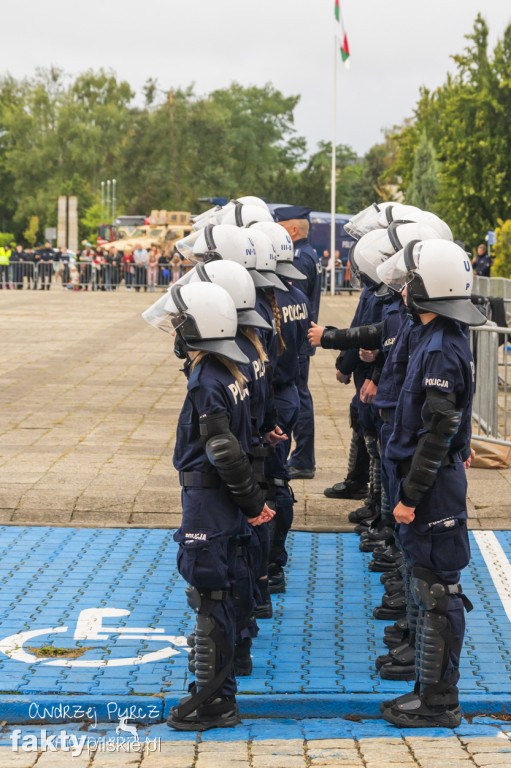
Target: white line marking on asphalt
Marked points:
498	566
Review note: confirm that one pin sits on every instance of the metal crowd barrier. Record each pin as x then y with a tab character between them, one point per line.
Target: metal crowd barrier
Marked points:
85	275
496	287
341	284
491	347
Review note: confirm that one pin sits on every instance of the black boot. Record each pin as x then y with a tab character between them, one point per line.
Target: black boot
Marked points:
392	607
264	610
242	658
355	484
410	711
399	663
393	585
363	516
217	712
276	579
346	489
397	633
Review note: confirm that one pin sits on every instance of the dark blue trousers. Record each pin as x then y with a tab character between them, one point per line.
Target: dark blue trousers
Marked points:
288	405
445	550
208	556
303	456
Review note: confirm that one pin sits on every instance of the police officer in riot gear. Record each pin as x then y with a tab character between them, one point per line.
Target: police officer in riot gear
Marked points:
429	450
219	494
295	220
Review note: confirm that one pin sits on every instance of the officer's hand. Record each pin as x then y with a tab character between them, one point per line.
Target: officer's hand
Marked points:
368	391
470	459
265	516
368	355
314	334
343	378
275	436
404	514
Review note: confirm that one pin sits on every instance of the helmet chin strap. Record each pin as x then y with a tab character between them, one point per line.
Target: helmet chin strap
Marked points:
179	346
412	311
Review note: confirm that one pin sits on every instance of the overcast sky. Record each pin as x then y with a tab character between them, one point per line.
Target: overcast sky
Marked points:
396	46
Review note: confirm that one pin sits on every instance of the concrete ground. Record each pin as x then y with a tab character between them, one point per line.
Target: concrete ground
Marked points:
412	752
90	396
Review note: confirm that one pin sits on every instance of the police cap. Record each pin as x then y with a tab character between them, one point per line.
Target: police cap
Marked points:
289	212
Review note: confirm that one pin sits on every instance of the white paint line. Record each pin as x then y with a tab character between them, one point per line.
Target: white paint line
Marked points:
498	566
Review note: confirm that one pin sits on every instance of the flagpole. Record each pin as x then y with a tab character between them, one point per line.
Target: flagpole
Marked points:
333	179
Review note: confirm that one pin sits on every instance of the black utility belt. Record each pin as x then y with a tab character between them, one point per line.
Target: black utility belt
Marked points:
199	480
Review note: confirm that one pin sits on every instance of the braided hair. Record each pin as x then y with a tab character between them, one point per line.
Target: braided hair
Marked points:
270	295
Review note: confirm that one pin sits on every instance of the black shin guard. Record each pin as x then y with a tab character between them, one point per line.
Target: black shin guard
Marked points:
212	661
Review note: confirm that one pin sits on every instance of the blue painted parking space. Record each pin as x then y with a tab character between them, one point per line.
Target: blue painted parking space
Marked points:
283	729
113	600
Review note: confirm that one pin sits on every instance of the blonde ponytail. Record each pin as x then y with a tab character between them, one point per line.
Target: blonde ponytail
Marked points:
252	336
229	364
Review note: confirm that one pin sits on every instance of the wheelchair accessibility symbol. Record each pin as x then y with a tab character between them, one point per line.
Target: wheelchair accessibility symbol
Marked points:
89	626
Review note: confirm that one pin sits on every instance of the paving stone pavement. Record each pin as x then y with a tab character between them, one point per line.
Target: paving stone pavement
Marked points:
88	405
477	744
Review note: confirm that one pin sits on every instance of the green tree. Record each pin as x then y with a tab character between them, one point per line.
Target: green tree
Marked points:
501	266
423	188
32	231
467	121
6	239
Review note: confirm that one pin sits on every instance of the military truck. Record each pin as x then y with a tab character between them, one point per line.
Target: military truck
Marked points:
163	230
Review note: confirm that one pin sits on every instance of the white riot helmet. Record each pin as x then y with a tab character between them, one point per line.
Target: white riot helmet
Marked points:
401	233
375	247
225	241
244	215
204	318
367	220
410	213
266	258
235	279
214	214
283	246
367	253
438	277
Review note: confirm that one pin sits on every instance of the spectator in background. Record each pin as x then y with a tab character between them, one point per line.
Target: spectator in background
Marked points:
113	262
58	268
17	266
176	266
46	255
86	258
164	269
152	268
482	262
64	260
141	257
339	272
29	268
128	268
325	261
5	258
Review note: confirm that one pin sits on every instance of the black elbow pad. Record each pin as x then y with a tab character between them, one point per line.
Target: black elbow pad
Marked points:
441	420
231	462
213	424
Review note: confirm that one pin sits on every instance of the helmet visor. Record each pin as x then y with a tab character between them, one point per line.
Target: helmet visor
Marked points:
185	246
364	222
158	316
394	272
